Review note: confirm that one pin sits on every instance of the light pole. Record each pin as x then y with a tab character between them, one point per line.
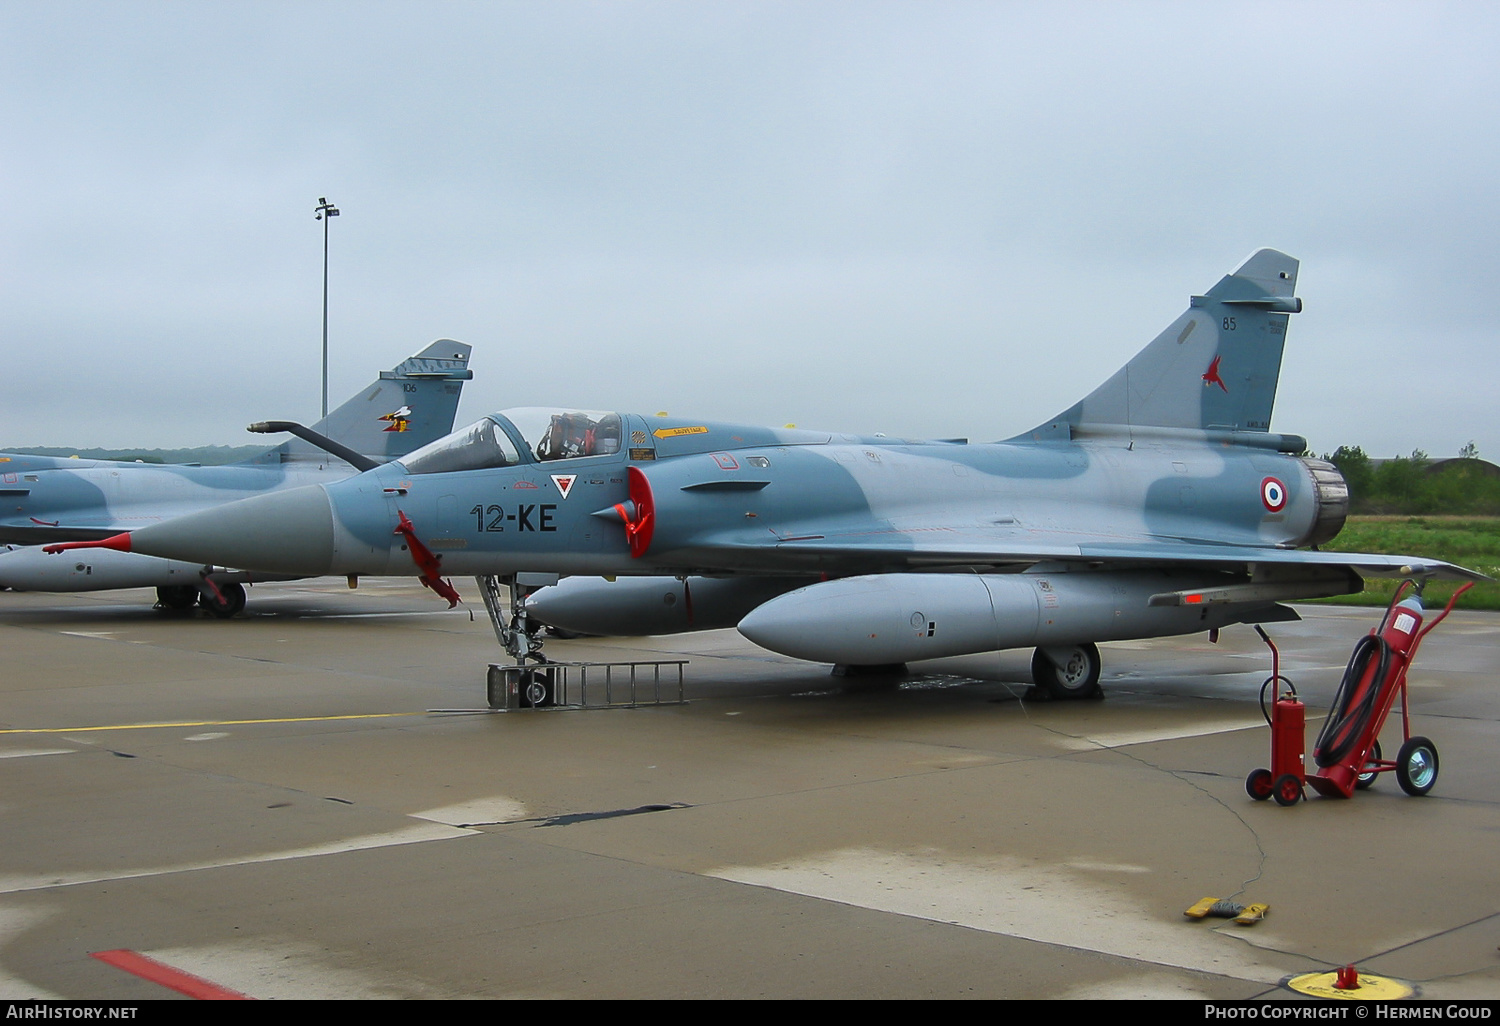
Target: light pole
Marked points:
325	212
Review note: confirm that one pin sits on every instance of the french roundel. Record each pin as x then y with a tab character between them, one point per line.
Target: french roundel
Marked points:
1273	494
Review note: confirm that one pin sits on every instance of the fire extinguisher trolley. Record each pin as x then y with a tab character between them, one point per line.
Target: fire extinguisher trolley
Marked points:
1347	752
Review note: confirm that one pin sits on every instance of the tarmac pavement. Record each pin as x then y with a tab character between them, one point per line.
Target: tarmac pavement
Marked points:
266	803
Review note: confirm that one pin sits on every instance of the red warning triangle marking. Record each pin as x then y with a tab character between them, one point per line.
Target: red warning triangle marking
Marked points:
564	483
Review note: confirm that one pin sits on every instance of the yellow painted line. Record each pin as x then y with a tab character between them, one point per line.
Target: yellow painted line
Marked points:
205	723
677	431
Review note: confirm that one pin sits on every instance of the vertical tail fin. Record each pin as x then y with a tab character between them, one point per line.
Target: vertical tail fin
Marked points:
405	408
1214	369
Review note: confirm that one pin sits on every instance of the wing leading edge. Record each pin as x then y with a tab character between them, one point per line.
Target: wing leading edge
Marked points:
952	547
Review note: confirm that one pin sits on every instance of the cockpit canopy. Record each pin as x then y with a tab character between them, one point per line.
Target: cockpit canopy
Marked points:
566	434
529	434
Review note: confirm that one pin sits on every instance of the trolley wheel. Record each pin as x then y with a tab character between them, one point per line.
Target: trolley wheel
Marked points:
1417	766
536	689
1287	790
1366	780
1258	784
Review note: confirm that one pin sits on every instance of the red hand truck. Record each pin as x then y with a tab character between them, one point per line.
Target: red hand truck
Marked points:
1347	751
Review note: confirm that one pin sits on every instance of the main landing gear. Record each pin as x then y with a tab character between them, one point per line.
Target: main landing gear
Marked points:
222	601
1067	672
218	600
177	597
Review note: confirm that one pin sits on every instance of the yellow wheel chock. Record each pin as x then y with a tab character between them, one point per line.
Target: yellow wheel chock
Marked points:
1223	908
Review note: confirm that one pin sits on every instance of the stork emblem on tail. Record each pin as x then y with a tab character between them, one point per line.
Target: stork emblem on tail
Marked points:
1211	376
400	420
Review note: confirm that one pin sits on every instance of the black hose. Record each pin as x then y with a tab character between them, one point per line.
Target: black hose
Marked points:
1350	713
1269	682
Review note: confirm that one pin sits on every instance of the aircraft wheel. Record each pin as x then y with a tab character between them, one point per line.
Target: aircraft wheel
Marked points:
1417	766
234	601
1287	790
537	689
1365	781
177	596
1258	784
1067	671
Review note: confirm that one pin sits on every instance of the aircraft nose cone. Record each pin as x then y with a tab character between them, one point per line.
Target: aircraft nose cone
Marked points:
289	532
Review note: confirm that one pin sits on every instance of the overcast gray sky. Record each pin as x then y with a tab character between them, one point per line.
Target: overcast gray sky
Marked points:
923	218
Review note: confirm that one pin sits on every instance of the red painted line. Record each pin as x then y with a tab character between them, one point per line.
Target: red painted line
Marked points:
175	979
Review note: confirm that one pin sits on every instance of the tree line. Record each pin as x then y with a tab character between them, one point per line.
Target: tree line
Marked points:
1417	484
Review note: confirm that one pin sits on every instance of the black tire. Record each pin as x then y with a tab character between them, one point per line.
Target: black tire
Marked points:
1287	790
176	597
1365	781
1073	676
1417	766
1258	784
234	601
536	689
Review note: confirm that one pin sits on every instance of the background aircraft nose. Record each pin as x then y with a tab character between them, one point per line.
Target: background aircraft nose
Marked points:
287	532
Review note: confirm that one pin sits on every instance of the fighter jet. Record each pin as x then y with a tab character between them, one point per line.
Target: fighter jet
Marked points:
1160	504
46	499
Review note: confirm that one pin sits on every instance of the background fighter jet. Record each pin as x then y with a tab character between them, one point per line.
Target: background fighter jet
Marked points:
1160	504
44	499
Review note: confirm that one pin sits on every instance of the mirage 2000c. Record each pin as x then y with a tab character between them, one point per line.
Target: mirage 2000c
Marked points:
50	499
1160	504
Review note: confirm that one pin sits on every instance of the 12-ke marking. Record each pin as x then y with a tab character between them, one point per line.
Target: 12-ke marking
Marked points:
521	516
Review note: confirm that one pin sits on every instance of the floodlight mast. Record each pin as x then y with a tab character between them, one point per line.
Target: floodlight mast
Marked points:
325	212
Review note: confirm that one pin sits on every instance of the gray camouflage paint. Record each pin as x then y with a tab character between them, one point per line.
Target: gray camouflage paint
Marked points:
45	499
1169	465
